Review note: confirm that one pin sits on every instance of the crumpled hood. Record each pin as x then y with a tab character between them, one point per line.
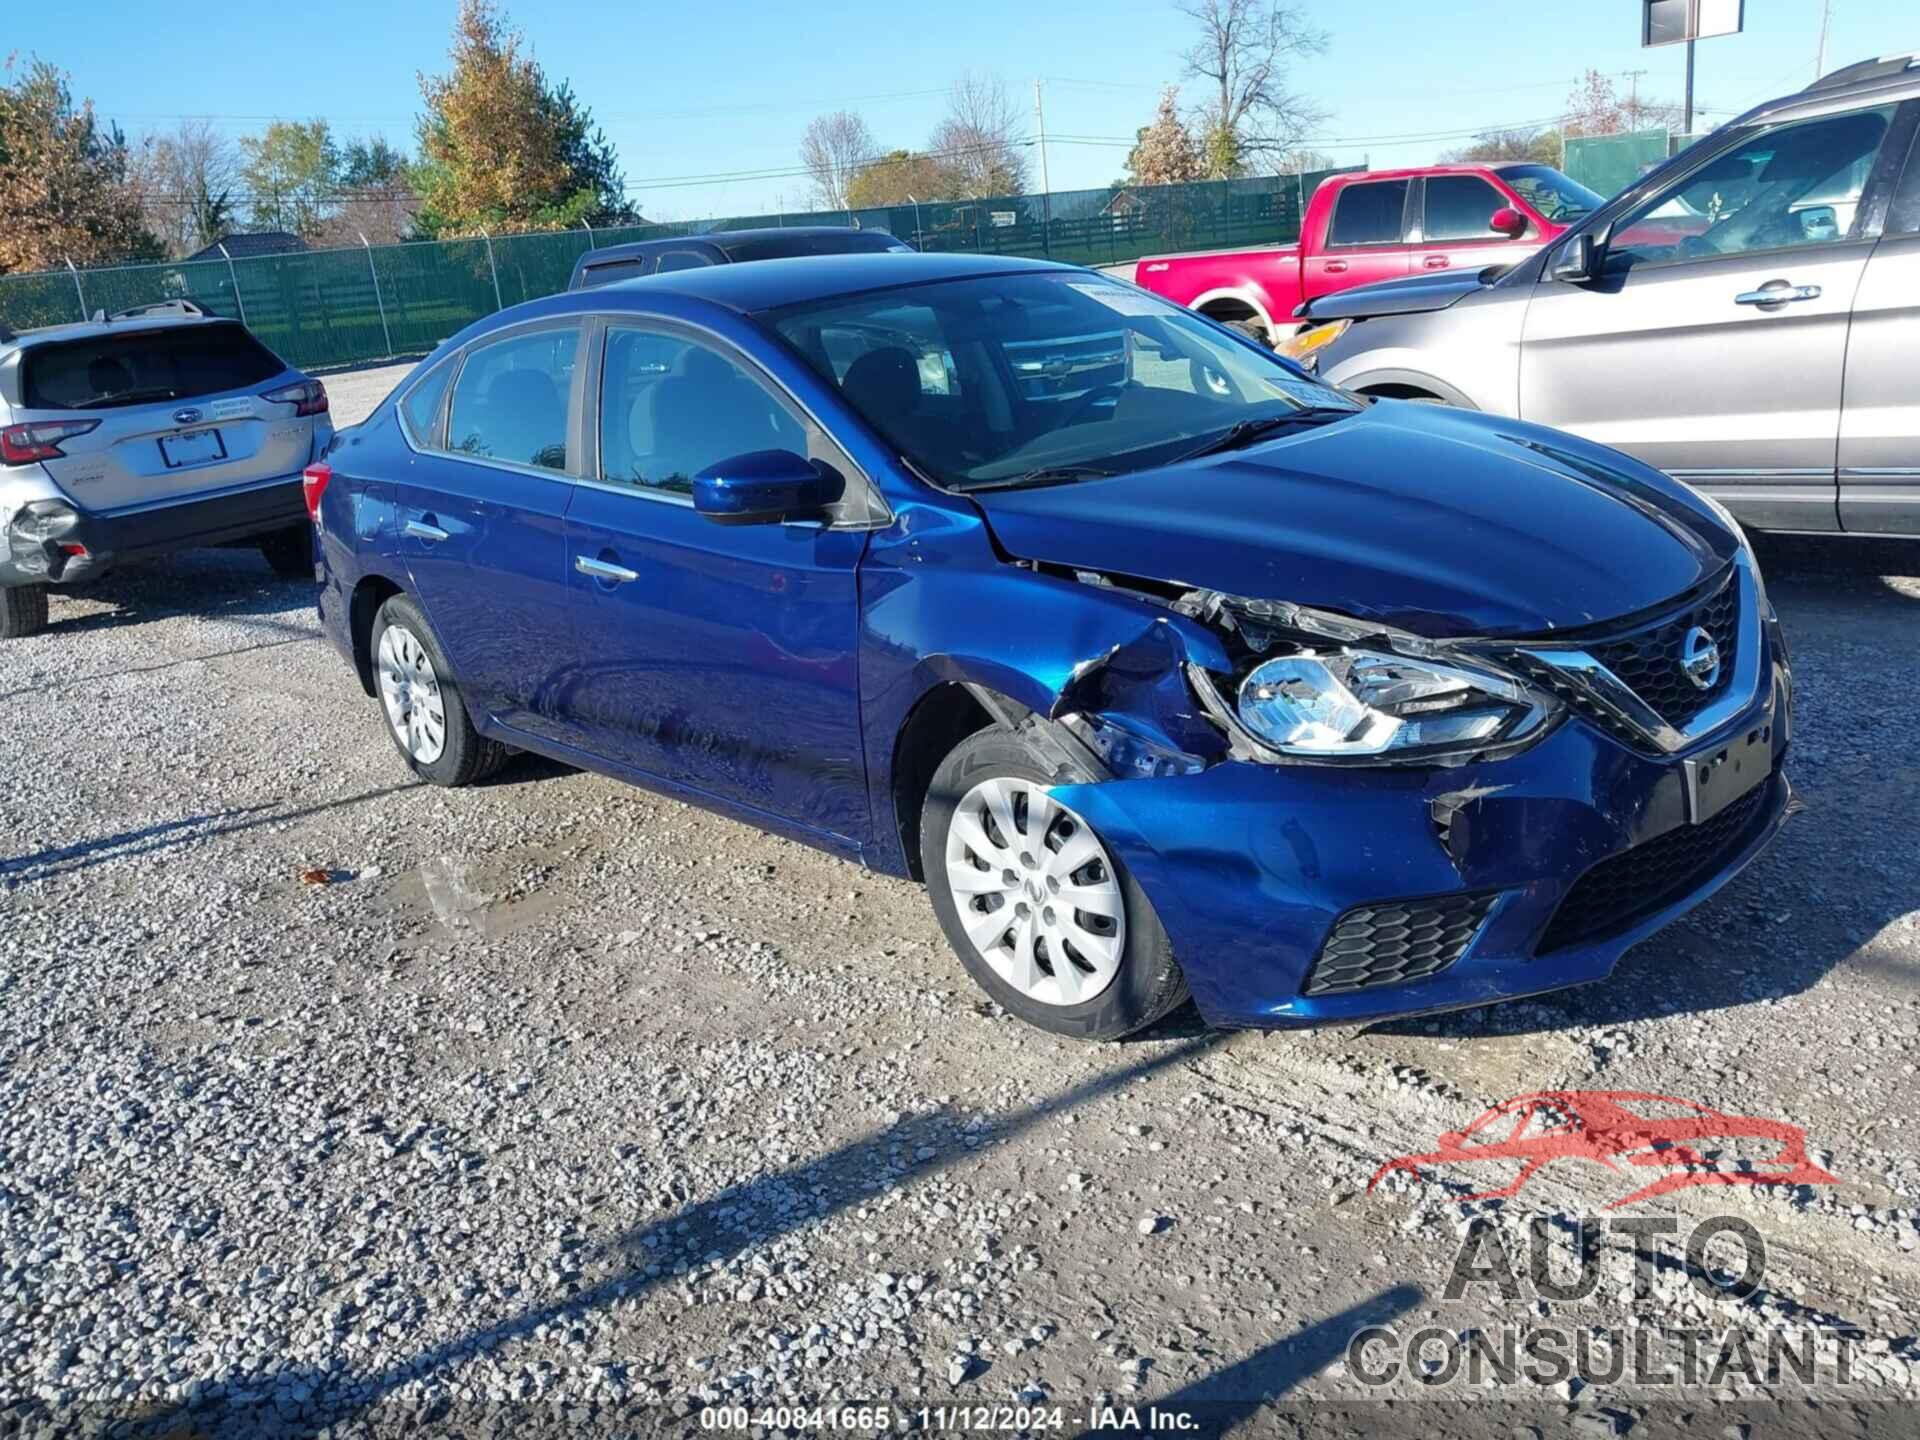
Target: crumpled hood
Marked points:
1441	522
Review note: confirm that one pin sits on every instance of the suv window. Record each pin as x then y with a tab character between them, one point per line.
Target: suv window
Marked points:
607	274
178	363
1369	214
670	407
1459	207
681	260
510	402
1782	188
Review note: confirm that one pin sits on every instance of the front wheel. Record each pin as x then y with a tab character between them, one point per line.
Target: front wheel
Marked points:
1041	912
426	713
23	611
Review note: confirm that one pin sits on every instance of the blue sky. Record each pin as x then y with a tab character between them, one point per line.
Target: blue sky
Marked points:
699	90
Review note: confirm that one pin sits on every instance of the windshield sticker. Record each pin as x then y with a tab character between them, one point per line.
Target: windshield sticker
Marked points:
1119	299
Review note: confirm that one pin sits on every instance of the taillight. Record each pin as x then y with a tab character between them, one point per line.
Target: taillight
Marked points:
313	484
24	444
309	397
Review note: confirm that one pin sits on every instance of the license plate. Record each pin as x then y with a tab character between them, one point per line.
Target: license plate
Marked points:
193	447
1717	779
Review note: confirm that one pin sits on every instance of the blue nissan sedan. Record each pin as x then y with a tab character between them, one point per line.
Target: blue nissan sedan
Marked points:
1168	669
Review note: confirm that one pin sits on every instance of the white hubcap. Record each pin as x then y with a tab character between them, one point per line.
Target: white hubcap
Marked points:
410	690
1036	892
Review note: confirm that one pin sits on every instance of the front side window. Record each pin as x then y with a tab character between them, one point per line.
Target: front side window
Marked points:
671	407
1782	188
1460	207
511	400
1037	378
1370	214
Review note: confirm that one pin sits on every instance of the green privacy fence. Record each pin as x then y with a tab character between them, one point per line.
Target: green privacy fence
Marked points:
340	307
1609	163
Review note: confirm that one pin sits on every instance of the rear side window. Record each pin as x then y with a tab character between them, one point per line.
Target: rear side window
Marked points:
1459	207
613	270
681	260
511	400
1370	214
421	408
142	368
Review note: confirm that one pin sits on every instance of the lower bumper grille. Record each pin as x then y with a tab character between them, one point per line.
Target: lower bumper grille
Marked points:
1396	941
1652	875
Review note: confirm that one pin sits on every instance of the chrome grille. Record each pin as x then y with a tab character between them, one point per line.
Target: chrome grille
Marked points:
1649	660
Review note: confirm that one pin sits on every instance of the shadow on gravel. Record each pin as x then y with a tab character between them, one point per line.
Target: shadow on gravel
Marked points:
224	584
754	1213
168	835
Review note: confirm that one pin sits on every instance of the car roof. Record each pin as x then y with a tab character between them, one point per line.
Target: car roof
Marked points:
1890	78
726	241
770	284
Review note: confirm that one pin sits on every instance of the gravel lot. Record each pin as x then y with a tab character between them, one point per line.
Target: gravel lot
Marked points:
561	1092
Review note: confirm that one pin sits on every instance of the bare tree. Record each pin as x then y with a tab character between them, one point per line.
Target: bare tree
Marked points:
187	180
834	148
1245	48
980	141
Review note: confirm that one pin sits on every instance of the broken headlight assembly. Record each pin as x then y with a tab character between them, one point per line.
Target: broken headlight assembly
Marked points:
1301	699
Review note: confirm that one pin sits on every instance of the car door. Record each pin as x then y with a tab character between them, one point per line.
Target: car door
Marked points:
1454	228
1713	342
1880	422
482	517
719	658
1366	239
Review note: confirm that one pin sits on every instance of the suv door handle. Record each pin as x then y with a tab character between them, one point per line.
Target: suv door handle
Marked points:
1777	292
604	570
420	530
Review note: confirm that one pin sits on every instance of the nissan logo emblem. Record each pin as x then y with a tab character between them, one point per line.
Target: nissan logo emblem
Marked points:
1700	658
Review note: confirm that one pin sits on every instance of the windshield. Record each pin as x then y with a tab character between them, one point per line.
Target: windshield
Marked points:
1049	376
1551	193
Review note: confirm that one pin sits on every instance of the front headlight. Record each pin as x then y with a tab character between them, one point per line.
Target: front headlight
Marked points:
1303	349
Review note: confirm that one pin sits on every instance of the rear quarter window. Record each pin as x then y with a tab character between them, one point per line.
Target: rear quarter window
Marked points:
102	372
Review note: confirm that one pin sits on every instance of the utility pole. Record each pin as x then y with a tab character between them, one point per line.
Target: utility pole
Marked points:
1687	124
1826	20
1046	183
1633	104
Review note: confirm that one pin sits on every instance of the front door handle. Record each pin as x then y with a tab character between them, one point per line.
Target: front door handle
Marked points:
1437	262
420	530
1336	267
1777	292
604	570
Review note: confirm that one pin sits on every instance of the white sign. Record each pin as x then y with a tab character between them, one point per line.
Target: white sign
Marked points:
1673	22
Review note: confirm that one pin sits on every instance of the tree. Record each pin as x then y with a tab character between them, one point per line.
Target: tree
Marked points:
898	177
1304	161
1542	147
979	140
291	171
1165	152
187	181
835	148
69	194
376	201
501	148
1243	53
1595	108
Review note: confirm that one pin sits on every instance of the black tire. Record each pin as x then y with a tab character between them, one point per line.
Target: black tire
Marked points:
1253	330
23	611
290	552
466	755
1149	983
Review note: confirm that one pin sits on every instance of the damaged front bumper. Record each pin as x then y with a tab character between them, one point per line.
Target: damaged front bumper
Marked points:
1298	895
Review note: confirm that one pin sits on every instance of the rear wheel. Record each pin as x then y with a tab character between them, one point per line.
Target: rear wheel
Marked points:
290	552
23	611
1041	912
426	713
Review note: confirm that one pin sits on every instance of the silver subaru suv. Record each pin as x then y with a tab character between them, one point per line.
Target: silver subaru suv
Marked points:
1746	317
153	430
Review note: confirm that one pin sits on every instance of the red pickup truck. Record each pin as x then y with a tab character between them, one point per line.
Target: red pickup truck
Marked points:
1376	225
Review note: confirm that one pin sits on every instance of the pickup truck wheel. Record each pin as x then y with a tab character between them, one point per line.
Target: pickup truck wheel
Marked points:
1253	330
1043	915
426	714
290	552
23	611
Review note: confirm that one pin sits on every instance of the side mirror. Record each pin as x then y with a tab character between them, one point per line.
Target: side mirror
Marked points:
762	487
1578	259
1509	222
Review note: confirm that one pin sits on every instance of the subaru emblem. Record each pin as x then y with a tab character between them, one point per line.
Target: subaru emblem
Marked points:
188	416
1700	658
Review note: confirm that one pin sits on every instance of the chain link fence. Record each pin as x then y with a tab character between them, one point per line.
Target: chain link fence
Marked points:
320	308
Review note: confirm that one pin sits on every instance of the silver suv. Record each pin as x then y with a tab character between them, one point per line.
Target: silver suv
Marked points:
1746	317
153	430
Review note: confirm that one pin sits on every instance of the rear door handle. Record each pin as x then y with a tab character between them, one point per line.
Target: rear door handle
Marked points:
1778	292
420	530
604	570
1437	262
